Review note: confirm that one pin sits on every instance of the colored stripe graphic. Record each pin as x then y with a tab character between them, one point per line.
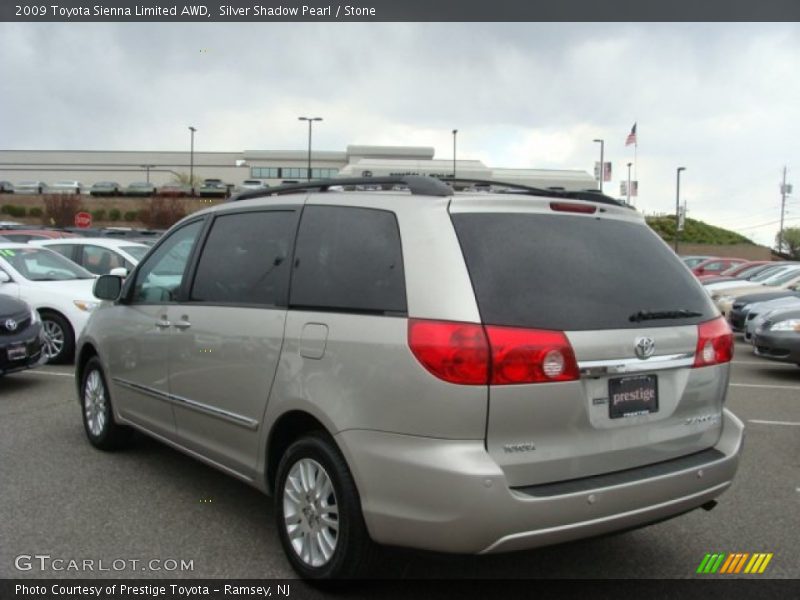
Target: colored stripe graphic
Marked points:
734	563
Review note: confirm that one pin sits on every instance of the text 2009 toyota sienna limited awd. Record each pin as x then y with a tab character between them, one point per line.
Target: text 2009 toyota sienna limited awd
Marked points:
472	372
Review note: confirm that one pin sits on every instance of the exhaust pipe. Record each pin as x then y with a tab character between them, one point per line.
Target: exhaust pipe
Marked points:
709	505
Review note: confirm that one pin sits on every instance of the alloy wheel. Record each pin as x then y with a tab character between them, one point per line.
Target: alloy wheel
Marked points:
94	402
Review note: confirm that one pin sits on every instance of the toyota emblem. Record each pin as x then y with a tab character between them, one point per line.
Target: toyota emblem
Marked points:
10	325
644	347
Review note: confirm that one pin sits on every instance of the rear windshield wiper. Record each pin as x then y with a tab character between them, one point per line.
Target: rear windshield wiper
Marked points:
649	315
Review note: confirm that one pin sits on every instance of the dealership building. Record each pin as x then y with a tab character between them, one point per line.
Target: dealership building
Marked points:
272	166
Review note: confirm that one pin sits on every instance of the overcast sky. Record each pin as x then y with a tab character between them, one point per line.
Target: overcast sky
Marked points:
722	100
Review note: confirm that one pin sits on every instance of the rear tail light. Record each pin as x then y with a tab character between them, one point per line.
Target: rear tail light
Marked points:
455	352
466	353
530	356
714	343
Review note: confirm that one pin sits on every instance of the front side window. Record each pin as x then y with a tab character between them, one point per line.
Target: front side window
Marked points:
160	277
348	259
246	259
100	260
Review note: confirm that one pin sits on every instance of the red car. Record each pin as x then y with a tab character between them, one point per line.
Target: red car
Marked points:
716	265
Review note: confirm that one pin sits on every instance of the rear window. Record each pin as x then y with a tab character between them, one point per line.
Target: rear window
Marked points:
574	273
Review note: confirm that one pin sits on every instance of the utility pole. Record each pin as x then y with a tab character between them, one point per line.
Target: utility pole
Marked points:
783	210
455	132
678	206
629	183
602	164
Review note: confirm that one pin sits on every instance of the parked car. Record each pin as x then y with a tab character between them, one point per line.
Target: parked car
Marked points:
252	184
717	288
778	338
57	288
30	187
716	265
105	188
6	187
25	235
758	312
140	188
741	305
98	255
21	336
783	285
65	187
175	190
420	368
213	188
691	261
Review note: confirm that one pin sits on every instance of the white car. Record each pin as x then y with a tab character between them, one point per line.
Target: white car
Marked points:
252	184
57	288
98	255
66	187
30	187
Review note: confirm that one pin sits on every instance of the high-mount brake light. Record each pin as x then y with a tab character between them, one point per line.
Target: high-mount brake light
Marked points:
470	354
714	343
573	207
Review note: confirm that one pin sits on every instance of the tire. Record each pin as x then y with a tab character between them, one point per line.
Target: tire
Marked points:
318	529
98	416
59	343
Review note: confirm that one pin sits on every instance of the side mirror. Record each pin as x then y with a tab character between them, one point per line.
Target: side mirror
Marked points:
107	287
119	272
4	277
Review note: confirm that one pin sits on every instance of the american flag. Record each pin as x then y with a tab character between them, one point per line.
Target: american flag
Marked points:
631	136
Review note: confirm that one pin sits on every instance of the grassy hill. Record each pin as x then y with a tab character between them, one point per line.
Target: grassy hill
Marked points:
695	232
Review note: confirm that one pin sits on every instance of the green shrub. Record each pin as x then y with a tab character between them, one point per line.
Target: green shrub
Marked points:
99	214
35	212
130	215
17	211
4	209
114	214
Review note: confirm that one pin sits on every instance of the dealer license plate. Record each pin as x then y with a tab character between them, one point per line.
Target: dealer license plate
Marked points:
17	352
632	396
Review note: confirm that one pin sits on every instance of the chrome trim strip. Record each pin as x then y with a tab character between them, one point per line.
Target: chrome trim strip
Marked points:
596	368
219	413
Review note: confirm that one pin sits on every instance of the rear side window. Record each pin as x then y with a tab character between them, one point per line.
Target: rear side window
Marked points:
245	259
574	273
348	259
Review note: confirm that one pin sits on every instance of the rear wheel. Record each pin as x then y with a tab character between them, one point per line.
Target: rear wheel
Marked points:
318	511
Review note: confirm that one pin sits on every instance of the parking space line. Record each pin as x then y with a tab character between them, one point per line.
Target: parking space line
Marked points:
763	363
767	386
760	422
40	372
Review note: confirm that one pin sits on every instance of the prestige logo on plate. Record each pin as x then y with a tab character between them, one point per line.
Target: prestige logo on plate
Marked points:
734	563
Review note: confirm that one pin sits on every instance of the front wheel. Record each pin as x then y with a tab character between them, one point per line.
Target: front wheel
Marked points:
59	341
98	416
318	512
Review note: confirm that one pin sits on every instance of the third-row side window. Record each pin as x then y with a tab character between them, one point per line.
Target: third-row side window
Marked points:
348	259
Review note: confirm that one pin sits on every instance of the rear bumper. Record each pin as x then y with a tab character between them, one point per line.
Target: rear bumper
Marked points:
450	496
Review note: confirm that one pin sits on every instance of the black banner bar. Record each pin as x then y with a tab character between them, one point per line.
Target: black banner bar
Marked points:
394	10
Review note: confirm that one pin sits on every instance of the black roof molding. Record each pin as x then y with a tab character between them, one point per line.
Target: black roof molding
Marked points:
551	192
417	184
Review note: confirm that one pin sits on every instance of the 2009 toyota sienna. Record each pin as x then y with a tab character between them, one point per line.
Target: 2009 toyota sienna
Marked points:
466	372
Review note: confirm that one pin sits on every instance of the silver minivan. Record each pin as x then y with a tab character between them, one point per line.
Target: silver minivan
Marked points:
474	372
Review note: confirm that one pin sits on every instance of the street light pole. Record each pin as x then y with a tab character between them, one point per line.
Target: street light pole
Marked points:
455	132
602	164
678	205
147	171
310	120
191	160
629	182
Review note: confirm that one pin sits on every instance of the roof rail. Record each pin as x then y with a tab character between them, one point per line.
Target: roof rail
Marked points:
418	184
552	192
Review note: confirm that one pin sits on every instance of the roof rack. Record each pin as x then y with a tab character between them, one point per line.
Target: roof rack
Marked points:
552	192
418	184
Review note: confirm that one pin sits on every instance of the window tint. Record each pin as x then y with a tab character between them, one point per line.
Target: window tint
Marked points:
65	250
246	259
573	273
160	277
348	259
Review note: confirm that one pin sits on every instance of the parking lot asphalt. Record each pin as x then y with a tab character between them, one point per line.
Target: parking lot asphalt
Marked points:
62	498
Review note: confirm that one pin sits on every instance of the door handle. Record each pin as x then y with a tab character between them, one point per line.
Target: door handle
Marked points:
183	324
162	323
